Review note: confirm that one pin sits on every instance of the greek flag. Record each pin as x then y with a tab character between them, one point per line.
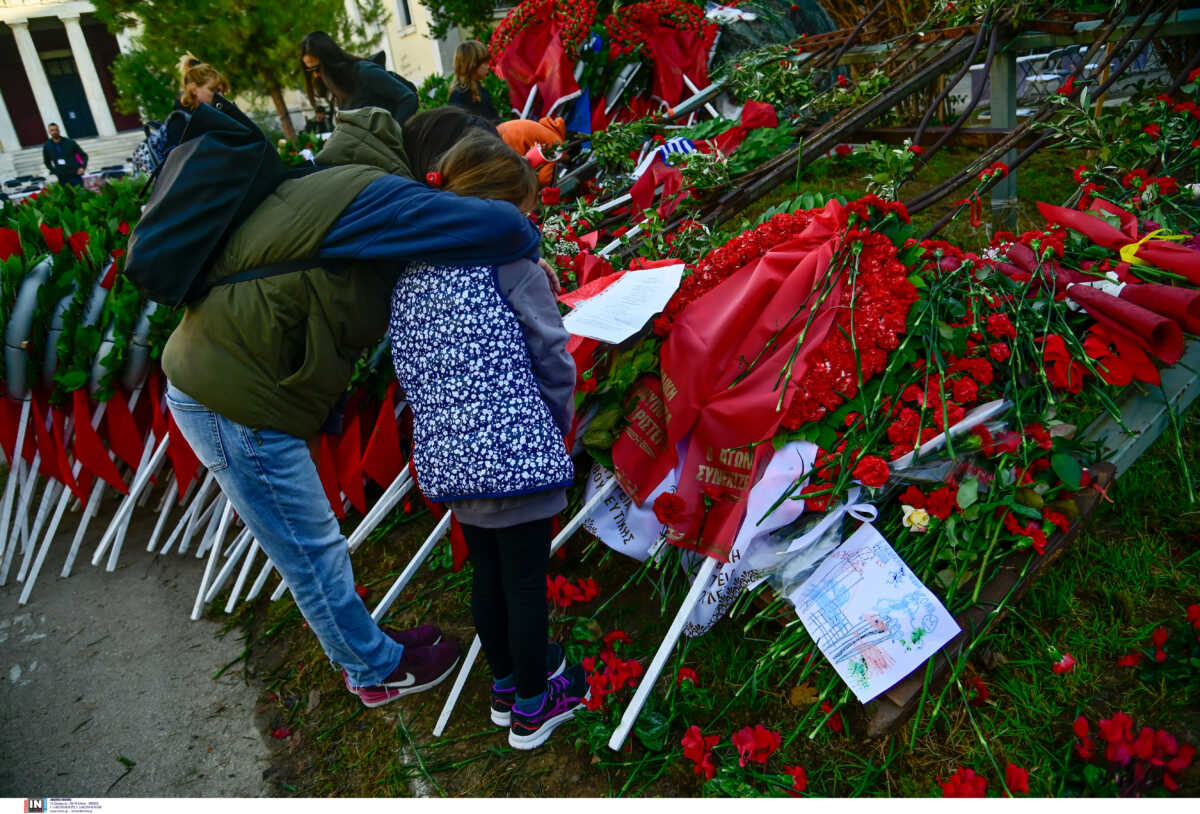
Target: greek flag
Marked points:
675	146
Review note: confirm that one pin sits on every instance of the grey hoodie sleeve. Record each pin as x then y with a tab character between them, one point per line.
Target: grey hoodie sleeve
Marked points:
524	286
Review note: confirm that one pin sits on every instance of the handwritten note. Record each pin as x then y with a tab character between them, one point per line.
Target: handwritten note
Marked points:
620	311
870	615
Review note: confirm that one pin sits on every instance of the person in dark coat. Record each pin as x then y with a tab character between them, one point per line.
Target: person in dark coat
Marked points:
63	157
468	92
350	82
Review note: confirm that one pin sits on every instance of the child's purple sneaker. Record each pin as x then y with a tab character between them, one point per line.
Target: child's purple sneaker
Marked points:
564	695
419	669
503	699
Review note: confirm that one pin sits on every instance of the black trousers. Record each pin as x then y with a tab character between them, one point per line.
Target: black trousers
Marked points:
508	600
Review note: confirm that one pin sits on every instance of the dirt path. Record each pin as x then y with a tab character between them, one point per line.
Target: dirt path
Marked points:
106	686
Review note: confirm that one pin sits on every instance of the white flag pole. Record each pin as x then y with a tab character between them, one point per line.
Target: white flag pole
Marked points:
411	569
664	652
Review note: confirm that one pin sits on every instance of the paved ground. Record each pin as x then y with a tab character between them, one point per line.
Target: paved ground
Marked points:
106	686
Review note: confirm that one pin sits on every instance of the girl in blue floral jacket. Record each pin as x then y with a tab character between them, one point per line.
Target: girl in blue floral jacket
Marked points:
481	354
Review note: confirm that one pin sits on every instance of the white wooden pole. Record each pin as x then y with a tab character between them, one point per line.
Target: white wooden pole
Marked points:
712	111
694	595
260	581
88	512
213	515
14	479
529	102
140	480
198	608
395	492
555	545
164	511
459	682
48	499
240	544
20	529
411	569
247	564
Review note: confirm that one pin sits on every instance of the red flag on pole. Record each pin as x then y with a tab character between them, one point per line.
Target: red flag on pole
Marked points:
349	461
123	437
327	472
89	449
57	420
183	459
383	461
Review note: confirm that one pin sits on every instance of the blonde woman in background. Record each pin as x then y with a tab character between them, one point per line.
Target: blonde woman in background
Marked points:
468	92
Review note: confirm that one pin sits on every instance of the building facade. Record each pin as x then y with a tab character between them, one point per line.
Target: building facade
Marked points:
411	51
55	60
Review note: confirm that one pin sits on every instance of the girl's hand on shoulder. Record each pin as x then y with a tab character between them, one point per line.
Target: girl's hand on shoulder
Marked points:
551	276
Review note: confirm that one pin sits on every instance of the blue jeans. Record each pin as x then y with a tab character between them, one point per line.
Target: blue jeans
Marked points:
272	482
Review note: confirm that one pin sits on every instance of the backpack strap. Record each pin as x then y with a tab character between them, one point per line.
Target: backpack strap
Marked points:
275	269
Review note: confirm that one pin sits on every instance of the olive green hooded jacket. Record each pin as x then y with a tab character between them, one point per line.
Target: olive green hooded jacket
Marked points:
277	352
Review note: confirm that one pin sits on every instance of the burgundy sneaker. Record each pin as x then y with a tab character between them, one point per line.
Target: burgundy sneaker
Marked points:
419	636
564	695
503	699
420	668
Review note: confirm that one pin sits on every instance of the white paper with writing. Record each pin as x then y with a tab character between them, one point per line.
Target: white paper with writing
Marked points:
620	311
870	615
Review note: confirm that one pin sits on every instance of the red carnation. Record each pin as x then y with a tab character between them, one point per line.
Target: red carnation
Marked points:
941	503
1016	778
669	508
755	744
1153	131
872	471
814	502
1000	325
912	496
965	391
999	351
964	783
550	196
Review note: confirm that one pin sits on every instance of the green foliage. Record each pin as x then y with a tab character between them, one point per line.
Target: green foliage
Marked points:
253	42
473	16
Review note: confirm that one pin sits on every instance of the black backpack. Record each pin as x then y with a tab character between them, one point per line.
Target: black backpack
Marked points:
221	171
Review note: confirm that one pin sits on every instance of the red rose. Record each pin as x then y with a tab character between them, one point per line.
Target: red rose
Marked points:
872	471
669	508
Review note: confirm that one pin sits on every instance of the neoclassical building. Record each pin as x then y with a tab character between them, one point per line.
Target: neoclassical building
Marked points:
54	67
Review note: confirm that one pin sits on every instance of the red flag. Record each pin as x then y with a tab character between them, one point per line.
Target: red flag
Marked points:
458	545
183	459
349	461
327	472
57	419
158	419
383	460
725	405
10	414
641	456
536	57
677	53
48	465
89	449
123	437
656	175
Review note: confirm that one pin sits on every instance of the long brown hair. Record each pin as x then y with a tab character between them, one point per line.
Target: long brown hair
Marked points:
482	166
467	59
339	70
196	74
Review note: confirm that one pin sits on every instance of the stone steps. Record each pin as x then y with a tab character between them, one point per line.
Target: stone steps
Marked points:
102	152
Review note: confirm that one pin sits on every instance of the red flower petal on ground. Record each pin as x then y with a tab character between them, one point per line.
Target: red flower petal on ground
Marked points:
1016	778
1080	727
1193	616
872	471
687	674
981	691
669	508
705	768
361	590
1130	660
835	722
964	783
281	733
755	744
1084	747
1064	665
1159	636
799	778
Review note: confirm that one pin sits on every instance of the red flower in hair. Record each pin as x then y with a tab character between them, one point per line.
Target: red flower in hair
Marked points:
433	178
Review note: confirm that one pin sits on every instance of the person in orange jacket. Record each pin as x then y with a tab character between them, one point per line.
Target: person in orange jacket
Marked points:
523	134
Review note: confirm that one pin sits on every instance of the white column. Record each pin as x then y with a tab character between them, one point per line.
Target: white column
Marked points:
8	134
91	80
47	107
